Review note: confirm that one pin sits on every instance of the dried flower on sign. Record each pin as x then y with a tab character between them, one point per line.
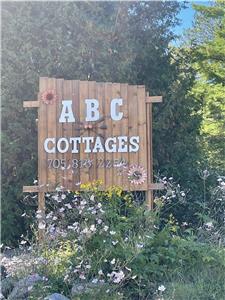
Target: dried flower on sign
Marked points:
49	97
137	175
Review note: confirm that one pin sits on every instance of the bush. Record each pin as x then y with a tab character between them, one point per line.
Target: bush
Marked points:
104	244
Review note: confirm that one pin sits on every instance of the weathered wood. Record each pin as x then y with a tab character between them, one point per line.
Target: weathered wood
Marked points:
41	221
31	189
84	173
116	131
100	95
133	122
149	199
154	99
90	132
51	123
125	131
42	131
68	132
30	104
76	129
108	122
59	128
136	121
156	186
142	130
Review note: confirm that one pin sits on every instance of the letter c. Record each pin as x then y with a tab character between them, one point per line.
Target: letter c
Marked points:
46	145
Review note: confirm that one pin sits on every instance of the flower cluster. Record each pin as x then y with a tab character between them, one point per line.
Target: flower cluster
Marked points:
80	217
22	264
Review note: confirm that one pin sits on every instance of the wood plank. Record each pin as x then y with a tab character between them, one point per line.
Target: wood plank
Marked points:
149	194
100	95
156	186
59	129
31	103
76	130
31	189
92	171
41	207
84	172
154	99
142	124
108	122
116	131
149	199
68	133
133	124
42	134
51	133
124	125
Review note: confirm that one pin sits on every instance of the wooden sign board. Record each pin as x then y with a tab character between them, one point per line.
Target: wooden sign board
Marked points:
90	131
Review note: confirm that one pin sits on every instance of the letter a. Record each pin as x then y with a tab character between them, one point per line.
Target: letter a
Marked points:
67	113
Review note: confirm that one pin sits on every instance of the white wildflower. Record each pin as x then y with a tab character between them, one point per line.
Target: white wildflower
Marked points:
88	267
112	232
83	202
82	276
184	223
99	205
209	225
112	262
93	228
41	225
117	277
23	242
106	228
68	206
70	227
92	198
161	288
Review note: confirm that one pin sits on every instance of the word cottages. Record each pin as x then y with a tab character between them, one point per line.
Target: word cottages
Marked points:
91	144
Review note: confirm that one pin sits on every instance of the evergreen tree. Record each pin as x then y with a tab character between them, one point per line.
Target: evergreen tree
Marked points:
209	61
102	41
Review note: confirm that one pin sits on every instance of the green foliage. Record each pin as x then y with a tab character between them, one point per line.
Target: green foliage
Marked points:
108	246
74	40
208	60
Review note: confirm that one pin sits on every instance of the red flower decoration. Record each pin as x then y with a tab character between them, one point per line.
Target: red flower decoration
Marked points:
49	97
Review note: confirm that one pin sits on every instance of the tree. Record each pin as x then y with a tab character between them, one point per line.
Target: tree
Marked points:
75	40
209	62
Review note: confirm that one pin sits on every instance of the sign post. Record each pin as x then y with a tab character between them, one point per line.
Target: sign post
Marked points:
91	131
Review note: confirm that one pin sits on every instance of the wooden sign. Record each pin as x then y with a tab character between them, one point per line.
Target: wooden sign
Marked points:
90	131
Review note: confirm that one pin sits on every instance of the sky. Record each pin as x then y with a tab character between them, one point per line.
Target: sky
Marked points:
187	16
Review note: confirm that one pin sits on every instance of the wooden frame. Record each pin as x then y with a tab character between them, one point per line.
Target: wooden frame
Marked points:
136	121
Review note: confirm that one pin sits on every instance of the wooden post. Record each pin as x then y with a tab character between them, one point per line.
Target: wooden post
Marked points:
151	186
149	199
41	221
